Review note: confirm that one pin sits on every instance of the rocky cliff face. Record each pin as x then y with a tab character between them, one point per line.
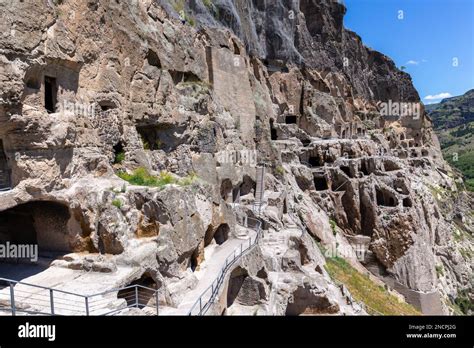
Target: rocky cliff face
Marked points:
202	92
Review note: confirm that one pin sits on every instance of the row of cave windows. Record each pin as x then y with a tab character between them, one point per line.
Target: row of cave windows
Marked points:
383	199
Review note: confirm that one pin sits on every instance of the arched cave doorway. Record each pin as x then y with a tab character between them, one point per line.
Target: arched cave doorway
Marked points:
43	223
141	296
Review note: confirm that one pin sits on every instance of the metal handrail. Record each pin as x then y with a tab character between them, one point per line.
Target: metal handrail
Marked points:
214	288
85	305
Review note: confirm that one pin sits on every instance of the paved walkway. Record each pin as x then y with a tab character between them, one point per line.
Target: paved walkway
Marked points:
209	271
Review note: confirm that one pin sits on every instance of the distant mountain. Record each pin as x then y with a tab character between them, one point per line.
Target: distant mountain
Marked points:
453	120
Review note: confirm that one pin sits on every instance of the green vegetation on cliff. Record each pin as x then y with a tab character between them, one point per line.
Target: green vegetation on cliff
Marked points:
377	299
453	119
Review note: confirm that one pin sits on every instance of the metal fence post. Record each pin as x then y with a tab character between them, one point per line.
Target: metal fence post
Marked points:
200	305
136	296
51	300
12	299
87	305
157	302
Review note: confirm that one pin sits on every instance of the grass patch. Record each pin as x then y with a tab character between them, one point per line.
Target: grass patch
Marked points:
117	203
141	177
119	157
333	226
363	289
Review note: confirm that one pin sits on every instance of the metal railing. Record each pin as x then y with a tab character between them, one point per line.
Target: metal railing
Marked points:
23	298
207	297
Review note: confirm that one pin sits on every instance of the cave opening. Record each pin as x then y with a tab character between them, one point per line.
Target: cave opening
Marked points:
248	186
385	199
291	119
119	153
347	171
236	280
315	161
142	295
222	234
194	260
41	223
226	190
219	235
273	131
320	183
50	94
5	183
407	202
364	168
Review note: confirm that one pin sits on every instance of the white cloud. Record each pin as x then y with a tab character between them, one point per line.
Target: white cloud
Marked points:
412	62
438	96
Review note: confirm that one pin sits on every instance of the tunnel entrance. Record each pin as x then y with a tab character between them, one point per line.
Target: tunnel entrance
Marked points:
4	170
50	94
39	223
139	297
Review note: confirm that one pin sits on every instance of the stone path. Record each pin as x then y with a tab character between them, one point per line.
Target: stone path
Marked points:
209	271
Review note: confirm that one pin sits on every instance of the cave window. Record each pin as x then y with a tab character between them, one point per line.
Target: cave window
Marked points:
106	105
402	136
424	153
306	142
343	134
119	153
193	261
359	131
290	119
50	94
236	48
386	200
273	131
320	183
152	59
347	171
4	169
407	202
314	161
364	169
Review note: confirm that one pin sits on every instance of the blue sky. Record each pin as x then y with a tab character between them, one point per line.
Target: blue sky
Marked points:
426	41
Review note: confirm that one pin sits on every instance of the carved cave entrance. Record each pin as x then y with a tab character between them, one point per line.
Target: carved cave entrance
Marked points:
39	223
50	94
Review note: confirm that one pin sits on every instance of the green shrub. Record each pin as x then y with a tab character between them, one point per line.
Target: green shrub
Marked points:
280	170
117	203
119	157
188	180
333	226
439	270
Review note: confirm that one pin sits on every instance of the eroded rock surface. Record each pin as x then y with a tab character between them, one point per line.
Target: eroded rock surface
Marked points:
213	93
